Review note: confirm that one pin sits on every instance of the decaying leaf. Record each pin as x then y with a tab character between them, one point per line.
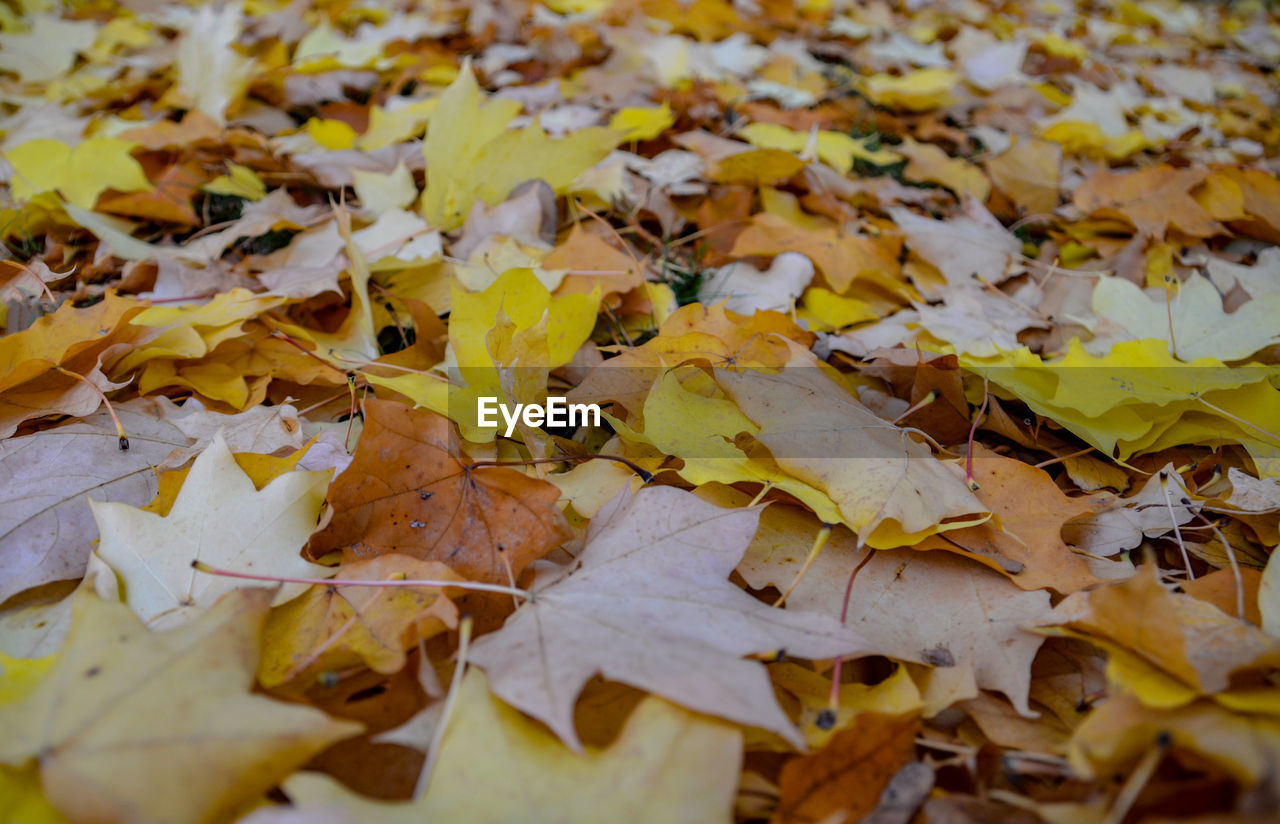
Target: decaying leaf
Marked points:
101	722
980	619
409	491
650	605
219	519
667	765
330	628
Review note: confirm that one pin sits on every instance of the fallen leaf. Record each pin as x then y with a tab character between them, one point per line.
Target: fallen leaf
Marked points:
80	174
218	519
1150	200
410	490
842	257
1030	173
915	91
477	157
667	765
843	781
930	164
650	605
1121	730
888	487
746	290
961	248
101	722
1191	319
46	526
979	619
330	628
1024	539
1185	637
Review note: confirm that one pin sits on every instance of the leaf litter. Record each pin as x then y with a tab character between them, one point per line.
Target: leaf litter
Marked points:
934	345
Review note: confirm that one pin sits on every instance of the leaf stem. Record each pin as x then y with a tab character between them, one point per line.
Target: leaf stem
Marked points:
645	475
201	566
120	433
833	700
437	737
1177	530
818	543
973	430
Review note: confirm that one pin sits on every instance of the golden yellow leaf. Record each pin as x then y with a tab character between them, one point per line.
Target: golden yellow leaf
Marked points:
101	723
668	766
79	174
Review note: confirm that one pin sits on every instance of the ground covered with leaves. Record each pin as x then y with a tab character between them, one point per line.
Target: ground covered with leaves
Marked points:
937	477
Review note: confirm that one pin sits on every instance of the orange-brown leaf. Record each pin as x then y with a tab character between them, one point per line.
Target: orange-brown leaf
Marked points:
409	490
848	775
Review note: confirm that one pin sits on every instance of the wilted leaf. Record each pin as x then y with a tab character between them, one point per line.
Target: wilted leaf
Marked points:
667	765
101	722
650	605
409	490
218	519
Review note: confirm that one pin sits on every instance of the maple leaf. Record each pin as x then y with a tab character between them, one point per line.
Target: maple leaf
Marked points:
474	156
650	605
220	519
840	256
38	366
331	627
1124	402
1188	638
1024	539
409	490
962	247
101	722
80	174
46	526
667	765
977	619
845	777
1150	200
1120	730
888	488
1029	172
1192	319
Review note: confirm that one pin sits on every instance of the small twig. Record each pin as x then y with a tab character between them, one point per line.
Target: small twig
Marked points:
279	334
1053	461
833	700
764	490
1138	779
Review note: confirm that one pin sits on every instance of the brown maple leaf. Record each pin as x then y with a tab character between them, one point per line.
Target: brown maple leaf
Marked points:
410	490
1151	199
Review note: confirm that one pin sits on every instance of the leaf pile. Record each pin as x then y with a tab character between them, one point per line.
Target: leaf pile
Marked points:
938	475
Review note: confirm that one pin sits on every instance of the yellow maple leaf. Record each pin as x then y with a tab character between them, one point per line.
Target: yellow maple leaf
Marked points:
836	149
667	765
642	123
473	155
79	174
239	181
916	91
101	723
